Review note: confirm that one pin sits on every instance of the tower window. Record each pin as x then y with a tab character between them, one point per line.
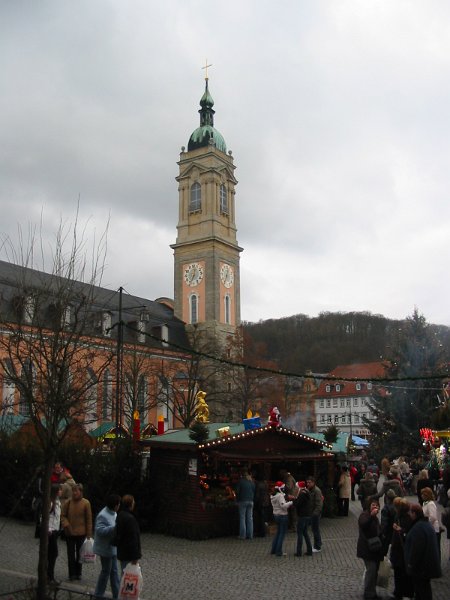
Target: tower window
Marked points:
223	200
193	301
227	301
195	202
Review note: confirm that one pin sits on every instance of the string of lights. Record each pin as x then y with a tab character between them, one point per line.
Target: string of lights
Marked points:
279	372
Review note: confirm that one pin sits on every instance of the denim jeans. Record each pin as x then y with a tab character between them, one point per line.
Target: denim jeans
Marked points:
109	571
282	525
315	520
302	532
246	519
370	578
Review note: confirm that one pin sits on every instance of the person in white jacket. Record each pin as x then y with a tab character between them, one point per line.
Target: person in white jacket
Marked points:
280	506
430	511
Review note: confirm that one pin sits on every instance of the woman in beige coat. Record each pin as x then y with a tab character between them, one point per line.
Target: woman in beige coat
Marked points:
344	492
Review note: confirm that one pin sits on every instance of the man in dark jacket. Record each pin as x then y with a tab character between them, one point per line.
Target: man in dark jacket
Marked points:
317	505
370	529
128	536
421	553
303	507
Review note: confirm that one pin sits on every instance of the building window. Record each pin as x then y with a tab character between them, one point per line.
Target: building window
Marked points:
358	387
369	386
8	397
142	395
343	419
321	403
29	308
348	402
355	401
335	402
322	418
342	403
363	401
106	324
193	308
223	200
227	301
327	388
336	418
356	418
107	395
338	387
195	201
328	403
165	335
349	419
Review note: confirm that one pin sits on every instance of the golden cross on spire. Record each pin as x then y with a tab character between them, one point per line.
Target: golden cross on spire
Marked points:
206	69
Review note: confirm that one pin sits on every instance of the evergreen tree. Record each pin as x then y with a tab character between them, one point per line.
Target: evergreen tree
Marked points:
398	412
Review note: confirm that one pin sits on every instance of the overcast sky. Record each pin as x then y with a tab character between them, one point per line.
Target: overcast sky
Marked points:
337	114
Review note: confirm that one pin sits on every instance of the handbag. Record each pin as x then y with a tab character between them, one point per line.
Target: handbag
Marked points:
131	583
374	544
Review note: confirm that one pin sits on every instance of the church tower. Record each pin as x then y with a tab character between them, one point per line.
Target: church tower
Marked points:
206	252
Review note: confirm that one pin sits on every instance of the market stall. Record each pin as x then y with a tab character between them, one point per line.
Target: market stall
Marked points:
193	483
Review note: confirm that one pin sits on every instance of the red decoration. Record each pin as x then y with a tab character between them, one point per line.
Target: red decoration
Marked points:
160	425
274	417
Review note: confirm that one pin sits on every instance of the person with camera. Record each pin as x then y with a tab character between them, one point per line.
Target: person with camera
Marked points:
369	547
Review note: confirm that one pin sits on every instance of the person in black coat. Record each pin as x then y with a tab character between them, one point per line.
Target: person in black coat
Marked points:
421	553
403	585
370	528
303	506
128	536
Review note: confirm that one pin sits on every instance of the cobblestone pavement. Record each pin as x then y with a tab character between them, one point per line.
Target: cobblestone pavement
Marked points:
219	569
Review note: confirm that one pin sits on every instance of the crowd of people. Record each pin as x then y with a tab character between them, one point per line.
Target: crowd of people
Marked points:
115	532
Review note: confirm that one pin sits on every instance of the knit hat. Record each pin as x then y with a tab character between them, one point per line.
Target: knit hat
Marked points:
391	494
279	485
301	484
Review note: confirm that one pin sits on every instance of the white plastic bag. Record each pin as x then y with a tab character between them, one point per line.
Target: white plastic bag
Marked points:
131	583
87	555
384	572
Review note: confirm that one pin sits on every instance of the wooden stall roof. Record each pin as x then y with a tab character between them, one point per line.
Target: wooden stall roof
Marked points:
280	443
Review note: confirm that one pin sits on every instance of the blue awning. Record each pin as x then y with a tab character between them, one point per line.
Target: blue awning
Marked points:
359	441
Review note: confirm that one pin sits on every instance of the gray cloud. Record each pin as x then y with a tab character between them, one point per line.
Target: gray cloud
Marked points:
336	113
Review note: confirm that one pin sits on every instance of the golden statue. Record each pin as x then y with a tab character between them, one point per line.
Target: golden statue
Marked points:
201	408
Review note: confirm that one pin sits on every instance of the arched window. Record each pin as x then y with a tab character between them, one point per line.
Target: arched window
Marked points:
193	308
107	395
223	200
195	201
91	400
227	301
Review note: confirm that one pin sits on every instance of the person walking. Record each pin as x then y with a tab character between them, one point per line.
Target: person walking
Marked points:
291	490
344	492
431	513
76	520
317	505
369	533
128	535
421	554
280	508
104	547
423	482
54	523
303	506
403	586
367	489
245	495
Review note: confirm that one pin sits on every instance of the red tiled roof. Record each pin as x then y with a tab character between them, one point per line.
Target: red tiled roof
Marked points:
363	372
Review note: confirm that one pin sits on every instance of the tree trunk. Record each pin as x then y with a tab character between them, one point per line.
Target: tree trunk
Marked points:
41	592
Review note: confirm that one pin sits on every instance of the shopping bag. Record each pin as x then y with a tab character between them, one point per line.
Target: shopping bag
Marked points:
384	572
131	583
87	551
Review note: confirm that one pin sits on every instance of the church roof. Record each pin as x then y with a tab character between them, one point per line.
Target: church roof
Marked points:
206	134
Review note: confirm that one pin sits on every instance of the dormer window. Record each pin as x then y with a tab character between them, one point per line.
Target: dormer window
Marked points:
358	387
338	387
328	388
369	386
195	200
165	335
106	323
29	307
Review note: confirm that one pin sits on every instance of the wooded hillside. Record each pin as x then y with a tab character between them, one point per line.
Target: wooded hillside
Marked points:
321	343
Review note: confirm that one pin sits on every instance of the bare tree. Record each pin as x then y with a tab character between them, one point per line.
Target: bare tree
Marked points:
47	347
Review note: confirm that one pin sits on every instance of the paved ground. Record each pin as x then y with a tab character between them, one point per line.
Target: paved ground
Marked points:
219	569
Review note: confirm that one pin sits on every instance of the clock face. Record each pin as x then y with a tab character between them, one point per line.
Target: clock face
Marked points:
227	275
193	274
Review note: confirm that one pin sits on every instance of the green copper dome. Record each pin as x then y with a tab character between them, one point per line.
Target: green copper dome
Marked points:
206	134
